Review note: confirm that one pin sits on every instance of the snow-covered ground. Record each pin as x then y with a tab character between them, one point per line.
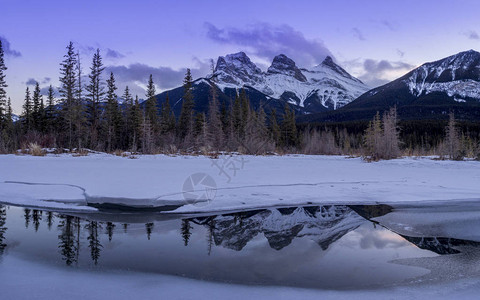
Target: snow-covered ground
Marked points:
241	181
47	282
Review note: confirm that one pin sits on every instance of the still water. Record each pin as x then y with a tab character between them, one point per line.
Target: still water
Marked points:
334	246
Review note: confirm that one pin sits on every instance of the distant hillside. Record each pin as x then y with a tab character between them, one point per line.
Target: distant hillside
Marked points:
430	91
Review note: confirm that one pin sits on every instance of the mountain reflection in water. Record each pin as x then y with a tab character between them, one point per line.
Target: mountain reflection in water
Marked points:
297	235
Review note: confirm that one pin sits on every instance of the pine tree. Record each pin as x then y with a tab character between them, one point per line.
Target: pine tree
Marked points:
67	89
42	116
151	110
78	109
9	114
112	114
3	86
50	110
147	135
225	117
214	130
167	118
136	121
95	94
289	128
7	138
250	135
36	111
185	122
274	127
236	117
200	129
245	103
261	125
127	112
27	111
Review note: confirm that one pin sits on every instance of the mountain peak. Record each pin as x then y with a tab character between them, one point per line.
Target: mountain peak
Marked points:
468	54
458	67
328	61
237	69
330	64
282	64
325	87
239	56
430	90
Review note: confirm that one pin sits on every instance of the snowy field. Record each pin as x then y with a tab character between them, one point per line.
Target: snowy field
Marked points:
232	182
238	182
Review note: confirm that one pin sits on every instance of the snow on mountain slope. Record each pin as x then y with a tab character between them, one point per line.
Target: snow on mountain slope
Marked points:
237	70
457	75
327	84
333	84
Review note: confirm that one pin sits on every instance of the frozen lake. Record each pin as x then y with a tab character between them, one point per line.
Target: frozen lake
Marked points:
341	247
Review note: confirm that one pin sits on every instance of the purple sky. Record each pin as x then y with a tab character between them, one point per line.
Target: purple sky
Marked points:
376	41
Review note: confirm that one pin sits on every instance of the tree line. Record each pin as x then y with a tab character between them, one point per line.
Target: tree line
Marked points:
88	115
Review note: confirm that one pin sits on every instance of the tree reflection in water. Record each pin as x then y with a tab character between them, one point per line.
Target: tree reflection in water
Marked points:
280	226
3	228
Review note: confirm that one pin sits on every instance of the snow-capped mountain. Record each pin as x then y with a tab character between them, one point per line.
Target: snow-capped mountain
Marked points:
430	91
237	70
324	87
458	76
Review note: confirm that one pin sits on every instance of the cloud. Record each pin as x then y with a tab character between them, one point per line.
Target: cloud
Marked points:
107	53
379	66
44	91
358	34
266	41
472	34
33	81
7	48
86	50
389	25
379	72
114	54
136	76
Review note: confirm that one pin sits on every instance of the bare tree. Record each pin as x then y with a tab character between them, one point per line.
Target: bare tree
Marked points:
382	137
316	142
390	139
453	147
